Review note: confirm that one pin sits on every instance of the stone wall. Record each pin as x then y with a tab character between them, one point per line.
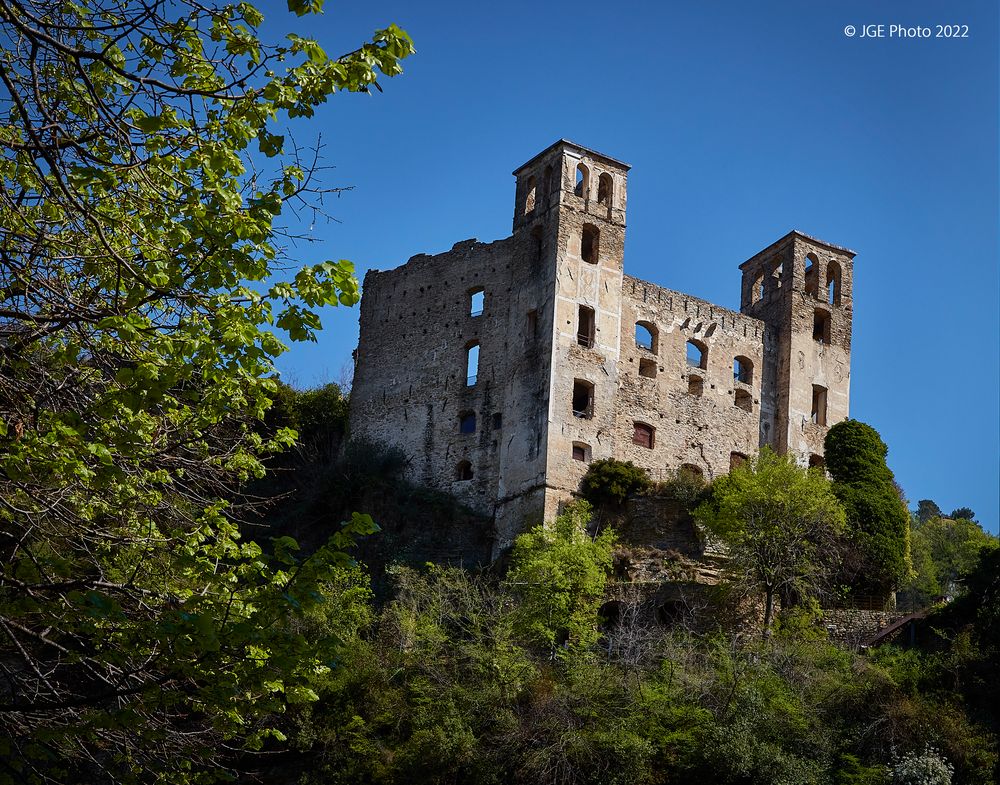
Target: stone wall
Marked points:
852	626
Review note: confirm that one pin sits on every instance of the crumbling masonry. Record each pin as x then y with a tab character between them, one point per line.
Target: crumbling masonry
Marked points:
502	369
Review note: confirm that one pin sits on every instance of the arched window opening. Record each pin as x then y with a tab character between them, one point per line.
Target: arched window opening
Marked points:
647	368
645	336
604	189
743	400
467	422
696	385
776	274
463	471
821	326
818	414
757	289
583	399
812	275
581	452
692	471
589	243
833	283
585	327
471	364
582	181
736	459
497	421
529	200
697	354
644	435
817	461
743	370
477	299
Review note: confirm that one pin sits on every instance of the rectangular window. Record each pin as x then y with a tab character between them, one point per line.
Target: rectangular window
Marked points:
643	435
585	327
819	405
583	399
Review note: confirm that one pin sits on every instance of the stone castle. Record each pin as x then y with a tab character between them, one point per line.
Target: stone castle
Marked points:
502	369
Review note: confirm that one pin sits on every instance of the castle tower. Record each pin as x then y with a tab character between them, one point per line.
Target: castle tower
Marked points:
801	288
571	205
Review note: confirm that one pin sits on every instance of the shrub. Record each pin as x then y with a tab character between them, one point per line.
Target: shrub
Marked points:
609	481
926	768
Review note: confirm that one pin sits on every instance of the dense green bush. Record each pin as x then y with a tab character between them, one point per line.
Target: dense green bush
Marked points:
877	518
609	481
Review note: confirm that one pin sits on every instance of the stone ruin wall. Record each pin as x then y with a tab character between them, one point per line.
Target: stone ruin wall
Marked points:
707	431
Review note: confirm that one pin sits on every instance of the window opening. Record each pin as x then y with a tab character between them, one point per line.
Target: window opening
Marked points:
583	399
818	414
604	189
643	435
821	326
477	299
645	336
812	275
697	354
582	181
833	283
743	370
585	326
471	364
589	244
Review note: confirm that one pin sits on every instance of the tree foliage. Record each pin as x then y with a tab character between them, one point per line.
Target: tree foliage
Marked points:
877	518
559	572
780	523
610	481
143	179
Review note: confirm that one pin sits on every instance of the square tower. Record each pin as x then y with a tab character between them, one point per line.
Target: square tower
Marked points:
801	287
571	201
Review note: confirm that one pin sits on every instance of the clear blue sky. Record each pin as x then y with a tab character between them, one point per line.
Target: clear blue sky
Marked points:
741	121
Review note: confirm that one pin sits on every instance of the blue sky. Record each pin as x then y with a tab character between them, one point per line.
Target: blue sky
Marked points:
741	121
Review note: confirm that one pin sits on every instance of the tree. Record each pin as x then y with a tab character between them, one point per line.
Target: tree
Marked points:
927	509
558	571
953	547
780	523
877	518
610	481
139	320
963	513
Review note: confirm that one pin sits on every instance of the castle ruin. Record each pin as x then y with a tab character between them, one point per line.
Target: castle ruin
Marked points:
502	369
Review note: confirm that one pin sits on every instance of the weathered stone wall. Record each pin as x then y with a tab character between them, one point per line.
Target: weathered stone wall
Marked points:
852	626
706	430
411	388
